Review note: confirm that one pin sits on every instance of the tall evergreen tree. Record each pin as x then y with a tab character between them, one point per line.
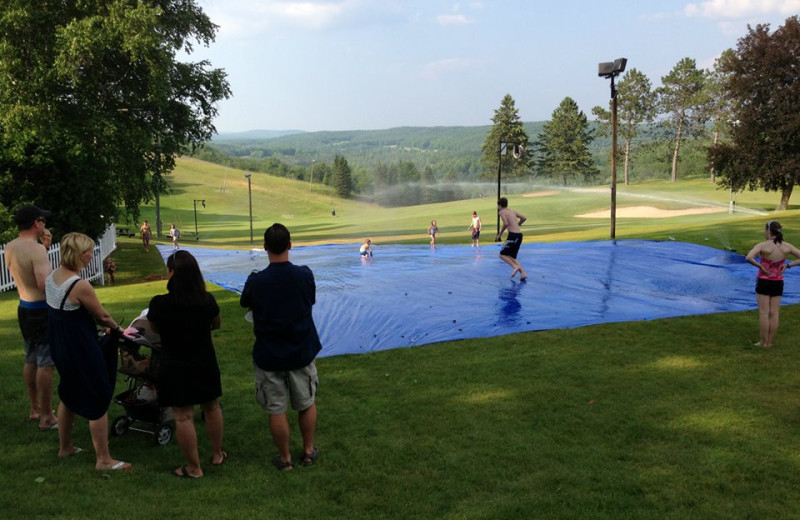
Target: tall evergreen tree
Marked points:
342	180
635	107
762	77
682	96
563	146
507	127
95	104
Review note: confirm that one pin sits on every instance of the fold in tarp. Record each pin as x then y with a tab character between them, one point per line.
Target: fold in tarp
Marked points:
410	295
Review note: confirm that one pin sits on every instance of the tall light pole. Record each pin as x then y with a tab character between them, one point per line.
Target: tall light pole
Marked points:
612	69
203	202
250	199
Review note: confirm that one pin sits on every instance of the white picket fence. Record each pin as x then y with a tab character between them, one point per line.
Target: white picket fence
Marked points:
106	245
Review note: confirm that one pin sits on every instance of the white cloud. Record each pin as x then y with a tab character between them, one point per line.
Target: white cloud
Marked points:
437	69
245	18
453	19
737	9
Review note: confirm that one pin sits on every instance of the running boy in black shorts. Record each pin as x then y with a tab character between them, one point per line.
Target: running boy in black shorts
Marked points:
512	221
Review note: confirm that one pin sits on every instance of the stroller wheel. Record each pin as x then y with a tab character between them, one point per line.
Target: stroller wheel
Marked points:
120	426
163	434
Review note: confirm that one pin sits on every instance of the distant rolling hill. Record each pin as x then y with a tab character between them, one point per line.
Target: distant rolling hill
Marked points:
254	135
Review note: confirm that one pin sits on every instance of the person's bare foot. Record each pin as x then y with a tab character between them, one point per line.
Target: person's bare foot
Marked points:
112	465
523	275
72	450
514	272
36	415
183	472
48	424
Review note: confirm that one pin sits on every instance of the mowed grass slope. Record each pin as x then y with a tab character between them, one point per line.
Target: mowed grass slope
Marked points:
666	419
307	210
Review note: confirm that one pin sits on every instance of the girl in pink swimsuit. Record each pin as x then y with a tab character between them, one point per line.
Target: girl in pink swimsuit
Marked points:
771	254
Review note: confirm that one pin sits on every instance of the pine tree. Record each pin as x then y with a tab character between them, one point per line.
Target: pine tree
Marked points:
563	147
342	180
635	106
507	128
683	97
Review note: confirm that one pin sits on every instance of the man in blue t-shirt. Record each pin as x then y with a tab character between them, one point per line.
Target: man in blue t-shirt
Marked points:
280	298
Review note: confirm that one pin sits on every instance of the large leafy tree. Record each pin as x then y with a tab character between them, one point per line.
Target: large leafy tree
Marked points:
719	107
682	97
762	76
563	146
507	127
635	107
95	104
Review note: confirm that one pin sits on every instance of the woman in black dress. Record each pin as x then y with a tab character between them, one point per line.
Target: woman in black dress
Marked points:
87	371
189	372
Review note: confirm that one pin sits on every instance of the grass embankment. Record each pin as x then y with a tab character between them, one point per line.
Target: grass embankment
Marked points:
662	419
306	209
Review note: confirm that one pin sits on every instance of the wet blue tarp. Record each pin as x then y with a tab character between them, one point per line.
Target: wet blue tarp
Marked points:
412	295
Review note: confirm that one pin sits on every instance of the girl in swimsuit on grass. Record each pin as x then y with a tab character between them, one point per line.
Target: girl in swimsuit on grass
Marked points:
771	264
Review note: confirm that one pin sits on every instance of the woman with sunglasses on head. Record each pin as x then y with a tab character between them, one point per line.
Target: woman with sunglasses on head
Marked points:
87	371
189	372
771	254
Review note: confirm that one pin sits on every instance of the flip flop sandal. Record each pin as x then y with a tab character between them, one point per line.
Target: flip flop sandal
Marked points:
182	473
220	463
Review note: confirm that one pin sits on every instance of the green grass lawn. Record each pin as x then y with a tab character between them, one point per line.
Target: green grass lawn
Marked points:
306	210
675	418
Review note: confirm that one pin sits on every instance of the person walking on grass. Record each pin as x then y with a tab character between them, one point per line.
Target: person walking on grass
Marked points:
286	343
475	226
771	254
146	233
512	221
189	371
29	266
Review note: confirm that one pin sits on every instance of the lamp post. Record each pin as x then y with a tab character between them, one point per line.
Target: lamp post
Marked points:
612	69
250	199
203	202
501	151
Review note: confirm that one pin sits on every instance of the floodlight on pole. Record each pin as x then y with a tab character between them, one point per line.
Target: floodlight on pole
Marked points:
612	69
203	202
250	199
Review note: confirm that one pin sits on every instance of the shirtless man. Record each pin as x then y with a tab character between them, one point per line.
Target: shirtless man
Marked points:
511	221
28	264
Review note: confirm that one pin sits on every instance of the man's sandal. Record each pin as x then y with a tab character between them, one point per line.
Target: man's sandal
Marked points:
281	465
309	459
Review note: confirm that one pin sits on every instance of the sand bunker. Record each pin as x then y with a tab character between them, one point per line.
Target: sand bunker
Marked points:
540	193
651	212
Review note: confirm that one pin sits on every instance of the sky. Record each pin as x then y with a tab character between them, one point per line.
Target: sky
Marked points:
374	64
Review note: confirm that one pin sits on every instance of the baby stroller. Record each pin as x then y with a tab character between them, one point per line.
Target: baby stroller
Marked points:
140	401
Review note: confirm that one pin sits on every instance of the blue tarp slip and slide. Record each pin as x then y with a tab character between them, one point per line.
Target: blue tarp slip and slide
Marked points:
412	295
